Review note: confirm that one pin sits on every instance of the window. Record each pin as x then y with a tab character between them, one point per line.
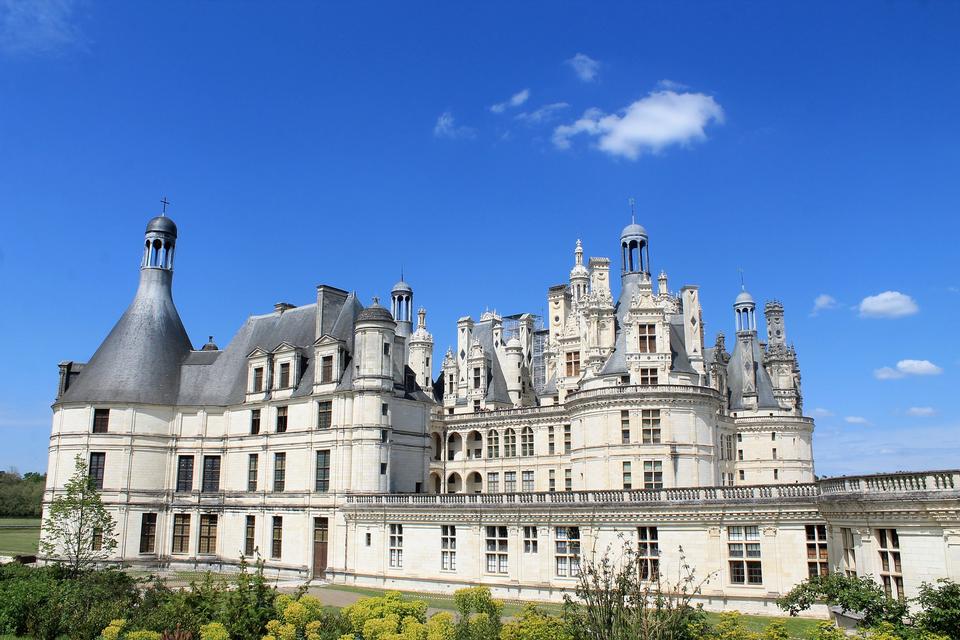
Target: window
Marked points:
276	539
101	420
386	349
743	549
739	437
568	479
451	383
326	369
181	533
526	442
384	409
891	573
510	482
279	472
627	476
776	474
743	475
573	363
625	427
497	550
281	419
567	439
648	553
849	553
817	550
96	539
530	540
396	545
509	443
648	376
774	453
98	462
652	474
284	375
249	536
773	435
493	444
258	379
255	421
211	474
448	547
323	471
551	441
493	482
567	551
648	338
526	478
324	414
476	377
383	468
739	454
552	480
185	473
148	533
208	534
368	539
253	461
650	426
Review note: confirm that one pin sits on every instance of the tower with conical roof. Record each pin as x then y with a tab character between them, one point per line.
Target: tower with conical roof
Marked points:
139	361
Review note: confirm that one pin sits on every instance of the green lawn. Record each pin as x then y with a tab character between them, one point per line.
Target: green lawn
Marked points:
19	536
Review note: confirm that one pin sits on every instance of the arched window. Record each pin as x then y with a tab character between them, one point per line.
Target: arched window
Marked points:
509	443
493	444
526	442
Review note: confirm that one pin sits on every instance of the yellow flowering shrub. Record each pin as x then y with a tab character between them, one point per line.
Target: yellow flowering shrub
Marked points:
214	631
142	635
113	630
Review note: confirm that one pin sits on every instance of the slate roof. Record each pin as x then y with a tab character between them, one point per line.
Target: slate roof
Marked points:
735	378
496	383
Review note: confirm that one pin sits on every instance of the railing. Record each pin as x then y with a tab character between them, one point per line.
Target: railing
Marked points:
501	413
644	389
892	483
644	496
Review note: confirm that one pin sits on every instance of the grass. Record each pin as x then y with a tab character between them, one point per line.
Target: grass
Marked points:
800	628
19	536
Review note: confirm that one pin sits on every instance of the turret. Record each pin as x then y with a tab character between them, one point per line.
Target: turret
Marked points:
401	297
662	288
139	361
514	371
421	352
373	344
776	330
635	251
579	276
745	310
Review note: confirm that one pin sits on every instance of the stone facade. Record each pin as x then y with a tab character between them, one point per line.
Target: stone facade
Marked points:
320	440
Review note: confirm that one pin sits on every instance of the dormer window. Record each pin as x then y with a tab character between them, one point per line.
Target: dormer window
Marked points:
573	363
476	377
326	369
284	375
648	338
258	379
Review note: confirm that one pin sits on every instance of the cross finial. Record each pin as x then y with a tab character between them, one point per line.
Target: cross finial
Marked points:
164	202
633	211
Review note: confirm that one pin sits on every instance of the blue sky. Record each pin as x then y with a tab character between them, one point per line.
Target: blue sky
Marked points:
813	145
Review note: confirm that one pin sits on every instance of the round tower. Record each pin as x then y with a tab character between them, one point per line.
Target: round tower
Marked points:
513	372
401	297
374	333
745	309
635	250
579	276
421	352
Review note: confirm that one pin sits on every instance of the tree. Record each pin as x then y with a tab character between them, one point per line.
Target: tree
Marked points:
78	530
856	594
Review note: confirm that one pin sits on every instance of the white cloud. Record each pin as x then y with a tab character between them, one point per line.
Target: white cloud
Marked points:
446	127
856	420
884	449
515	100
889	304
660	119
907	368
820	412
671	85
584	66
543	114
921	412
919	368
823	302
38	26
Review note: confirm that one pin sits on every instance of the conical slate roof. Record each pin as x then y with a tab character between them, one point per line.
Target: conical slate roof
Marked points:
139	362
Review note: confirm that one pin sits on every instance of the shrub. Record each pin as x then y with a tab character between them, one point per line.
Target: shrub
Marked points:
851	593
214	631
534	624
940	608
305	618
142	635
382	607
828	631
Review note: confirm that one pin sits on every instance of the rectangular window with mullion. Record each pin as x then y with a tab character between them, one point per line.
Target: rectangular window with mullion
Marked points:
249	536
148	533
323	471
211	474
181	533
98	463
279	471
184	474
101	420
276	544
207	542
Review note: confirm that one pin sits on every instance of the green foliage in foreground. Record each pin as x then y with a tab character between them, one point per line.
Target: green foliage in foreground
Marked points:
883	618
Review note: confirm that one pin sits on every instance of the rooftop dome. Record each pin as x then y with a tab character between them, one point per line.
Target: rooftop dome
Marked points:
210	346
375	312
744	298
163	224
514	343
633	229
401	286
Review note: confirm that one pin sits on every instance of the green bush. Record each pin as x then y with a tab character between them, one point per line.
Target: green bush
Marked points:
534	624
851	593
940	608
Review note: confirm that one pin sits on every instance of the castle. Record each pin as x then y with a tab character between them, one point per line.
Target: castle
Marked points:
319	439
